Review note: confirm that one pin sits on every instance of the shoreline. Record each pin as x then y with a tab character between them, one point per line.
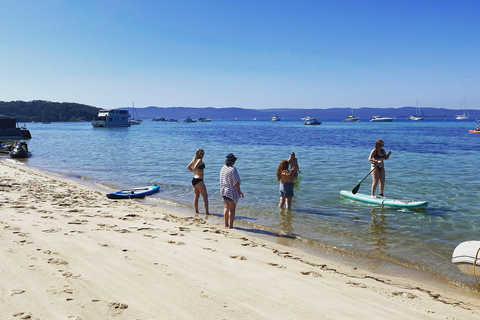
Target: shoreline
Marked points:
68	251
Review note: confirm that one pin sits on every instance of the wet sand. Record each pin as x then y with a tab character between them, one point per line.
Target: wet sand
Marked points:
68	252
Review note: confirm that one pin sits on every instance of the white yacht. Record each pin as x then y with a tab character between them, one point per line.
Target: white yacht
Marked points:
204	120
275	118
381	119
111	119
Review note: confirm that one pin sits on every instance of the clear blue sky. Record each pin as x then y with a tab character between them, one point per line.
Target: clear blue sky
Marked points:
243	53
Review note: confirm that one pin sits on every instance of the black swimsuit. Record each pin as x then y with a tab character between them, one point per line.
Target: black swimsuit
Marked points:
377	157
195	181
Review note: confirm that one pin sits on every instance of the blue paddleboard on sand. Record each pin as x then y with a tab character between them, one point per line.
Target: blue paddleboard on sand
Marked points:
134	193
384	201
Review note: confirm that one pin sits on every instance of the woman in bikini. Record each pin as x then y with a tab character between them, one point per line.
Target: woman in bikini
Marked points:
377	156
197	166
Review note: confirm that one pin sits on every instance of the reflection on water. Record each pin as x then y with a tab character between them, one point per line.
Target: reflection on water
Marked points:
378	228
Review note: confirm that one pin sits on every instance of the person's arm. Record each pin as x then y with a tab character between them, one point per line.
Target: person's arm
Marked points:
388	155
237	186
191	166
373	160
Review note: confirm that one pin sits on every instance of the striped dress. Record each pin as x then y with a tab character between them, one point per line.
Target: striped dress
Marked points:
228	178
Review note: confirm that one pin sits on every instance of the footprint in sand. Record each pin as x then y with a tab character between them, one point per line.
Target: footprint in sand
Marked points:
404	294
23	315
311	273
238	257
275	265
17	291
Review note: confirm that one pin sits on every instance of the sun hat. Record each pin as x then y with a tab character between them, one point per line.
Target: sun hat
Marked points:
230	158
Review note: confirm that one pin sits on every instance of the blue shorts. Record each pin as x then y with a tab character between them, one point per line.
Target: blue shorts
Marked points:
286	189
227	199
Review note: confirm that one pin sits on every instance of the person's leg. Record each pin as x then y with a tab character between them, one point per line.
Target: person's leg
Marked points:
196	196
231	207
225	212
289	203
282	202
375	181
382	181
203	191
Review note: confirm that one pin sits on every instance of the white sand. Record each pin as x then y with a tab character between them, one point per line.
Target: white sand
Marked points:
68	252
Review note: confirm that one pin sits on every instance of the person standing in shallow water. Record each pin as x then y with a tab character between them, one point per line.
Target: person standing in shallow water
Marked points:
286	178
197	166
294	164
377	156
230	189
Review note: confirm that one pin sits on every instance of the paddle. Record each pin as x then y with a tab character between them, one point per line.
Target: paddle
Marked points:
355	190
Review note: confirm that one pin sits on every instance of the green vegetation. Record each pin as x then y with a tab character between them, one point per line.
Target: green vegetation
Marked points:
47	111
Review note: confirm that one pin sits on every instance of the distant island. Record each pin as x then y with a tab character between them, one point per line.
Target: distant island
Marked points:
48	111
290	113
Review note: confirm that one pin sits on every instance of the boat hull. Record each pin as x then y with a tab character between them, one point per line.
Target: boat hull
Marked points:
384	201
466	257
134	193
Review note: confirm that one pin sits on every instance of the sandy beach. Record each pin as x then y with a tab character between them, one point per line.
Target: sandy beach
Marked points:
68	252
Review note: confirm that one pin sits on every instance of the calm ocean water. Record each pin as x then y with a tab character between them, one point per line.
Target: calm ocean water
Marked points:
431	160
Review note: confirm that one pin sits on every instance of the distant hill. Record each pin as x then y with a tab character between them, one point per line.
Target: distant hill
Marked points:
265	114
42	111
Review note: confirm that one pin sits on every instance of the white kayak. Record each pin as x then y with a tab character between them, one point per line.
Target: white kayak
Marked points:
464	256
384	201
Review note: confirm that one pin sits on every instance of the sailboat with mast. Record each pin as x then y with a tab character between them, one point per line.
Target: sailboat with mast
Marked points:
418	113
351	117
465	114
134	121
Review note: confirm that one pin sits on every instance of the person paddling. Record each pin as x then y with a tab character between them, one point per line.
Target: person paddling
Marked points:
377	156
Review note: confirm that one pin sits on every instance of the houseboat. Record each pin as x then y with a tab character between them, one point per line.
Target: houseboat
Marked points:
112	118
9	129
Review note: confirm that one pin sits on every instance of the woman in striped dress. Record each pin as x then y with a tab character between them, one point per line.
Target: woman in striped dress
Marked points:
230	189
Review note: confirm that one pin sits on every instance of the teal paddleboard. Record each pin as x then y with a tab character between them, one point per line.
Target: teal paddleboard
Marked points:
384	201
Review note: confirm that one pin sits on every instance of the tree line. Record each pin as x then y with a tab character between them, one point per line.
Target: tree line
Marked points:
47	111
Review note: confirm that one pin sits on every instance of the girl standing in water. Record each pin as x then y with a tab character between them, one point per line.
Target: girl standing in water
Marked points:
377	156
286	178
197	166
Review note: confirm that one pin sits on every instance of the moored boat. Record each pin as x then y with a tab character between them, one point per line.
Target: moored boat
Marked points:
9	129
204	120
381	119
189	120
312	122
134	121
112	119
275	118
351	117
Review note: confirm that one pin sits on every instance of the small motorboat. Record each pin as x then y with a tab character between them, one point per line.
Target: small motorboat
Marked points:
312	122
20	150
466	257
204	120
189	120
381	119
275	118
135	193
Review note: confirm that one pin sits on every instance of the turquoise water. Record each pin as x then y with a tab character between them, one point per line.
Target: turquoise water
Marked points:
431	160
